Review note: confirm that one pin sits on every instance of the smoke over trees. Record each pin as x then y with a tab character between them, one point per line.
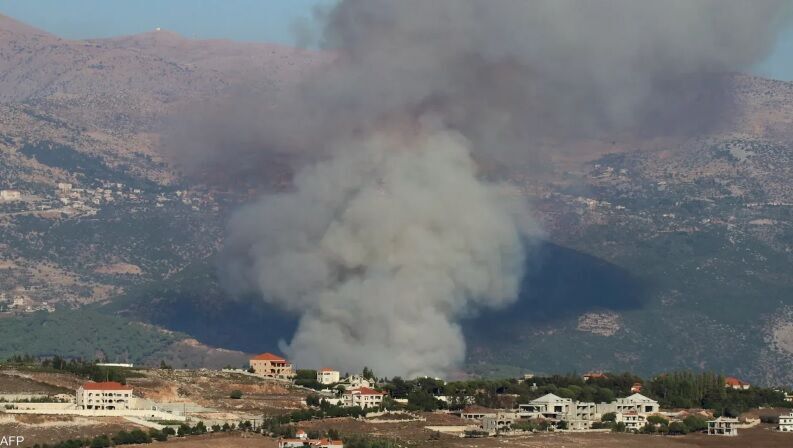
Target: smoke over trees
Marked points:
391	236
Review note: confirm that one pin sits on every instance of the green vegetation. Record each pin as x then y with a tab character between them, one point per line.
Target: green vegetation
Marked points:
81	335
325	410
308	378
235	394
706	390
368	442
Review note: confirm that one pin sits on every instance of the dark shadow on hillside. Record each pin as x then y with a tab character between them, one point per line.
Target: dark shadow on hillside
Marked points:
560	283
193	303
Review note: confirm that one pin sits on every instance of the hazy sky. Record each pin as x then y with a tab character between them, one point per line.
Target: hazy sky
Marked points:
247	20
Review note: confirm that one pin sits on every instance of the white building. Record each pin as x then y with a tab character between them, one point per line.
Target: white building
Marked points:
10	195
786	423
637	403
548	406
328	376
355	381
362	397
723	426
108	395
301	440
633	420
64	186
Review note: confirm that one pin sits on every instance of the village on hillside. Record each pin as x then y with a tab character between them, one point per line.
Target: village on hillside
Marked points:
109	404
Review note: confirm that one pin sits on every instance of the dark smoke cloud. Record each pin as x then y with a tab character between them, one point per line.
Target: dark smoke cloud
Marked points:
391	236
507	72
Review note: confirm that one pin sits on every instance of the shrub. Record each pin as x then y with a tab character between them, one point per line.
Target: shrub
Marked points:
695	423
677	428
235	394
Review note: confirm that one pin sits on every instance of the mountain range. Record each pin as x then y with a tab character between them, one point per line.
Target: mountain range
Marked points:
660	252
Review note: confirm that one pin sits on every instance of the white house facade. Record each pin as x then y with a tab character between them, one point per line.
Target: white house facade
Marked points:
363	397
786	423
723	426
328	376
108	395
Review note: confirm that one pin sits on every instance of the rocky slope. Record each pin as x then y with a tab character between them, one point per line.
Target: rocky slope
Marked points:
670	252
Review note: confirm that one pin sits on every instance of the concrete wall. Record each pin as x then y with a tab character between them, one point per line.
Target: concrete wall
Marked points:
20	397
44	406
158	415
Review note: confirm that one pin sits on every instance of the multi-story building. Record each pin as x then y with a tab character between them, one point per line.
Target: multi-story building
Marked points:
723	426
328	376
362	397
633	420
272	366
548	406
355	381
637	403
108	395
581	414
786	423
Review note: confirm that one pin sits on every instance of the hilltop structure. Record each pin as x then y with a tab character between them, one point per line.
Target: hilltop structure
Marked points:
272	366
108	395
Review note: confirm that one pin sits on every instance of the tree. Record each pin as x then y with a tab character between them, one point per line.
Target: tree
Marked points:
102	441
695	423
235	394
619	427
657	420
184	430
368	373
561	425
422	400
677	428
333	434
609	417
199	428
313	400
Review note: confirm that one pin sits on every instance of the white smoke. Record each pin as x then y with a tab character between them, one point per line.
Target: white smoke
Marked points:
381	249
385	244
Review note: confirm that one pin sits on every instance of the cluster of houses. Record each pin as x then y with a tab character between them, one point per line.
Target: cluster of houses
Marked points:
579	416
358	390
632	411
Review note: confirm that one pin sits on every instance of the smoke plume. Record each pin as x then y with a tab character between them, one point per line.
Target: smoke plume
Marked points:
381	249
390	236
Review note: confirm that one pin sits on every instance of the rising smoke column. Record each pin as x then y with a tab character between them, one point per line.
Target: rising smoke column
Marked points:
390	236
381	249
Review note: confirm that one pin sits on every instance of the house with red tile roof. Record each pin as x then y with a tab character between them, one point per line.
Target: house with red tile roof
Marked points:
363	397
272	366
106	395
593	376
734	383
